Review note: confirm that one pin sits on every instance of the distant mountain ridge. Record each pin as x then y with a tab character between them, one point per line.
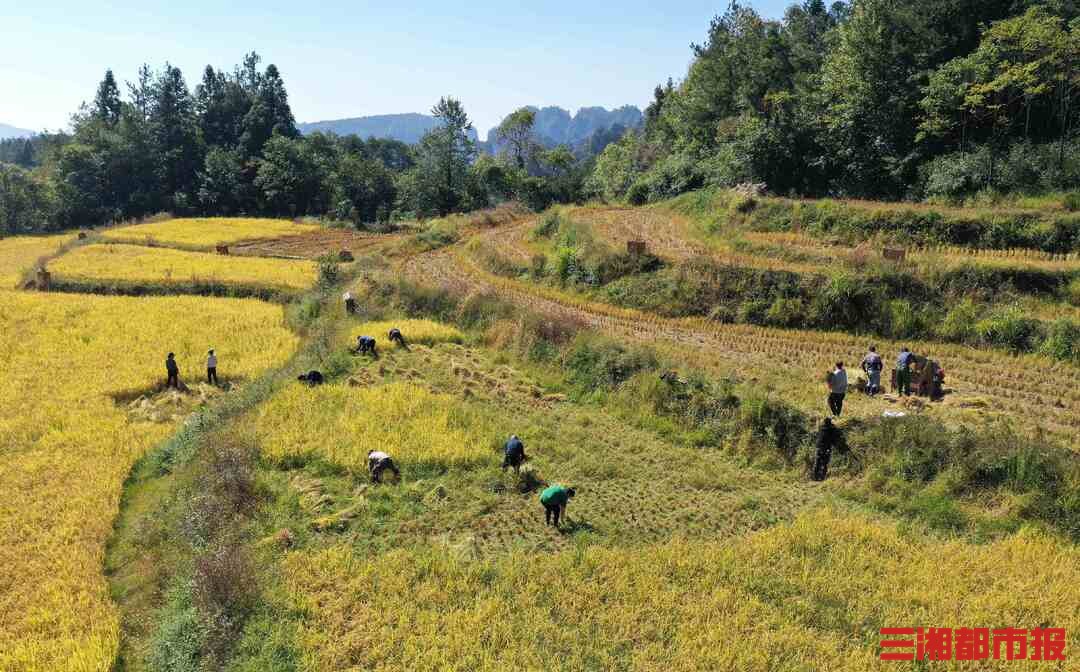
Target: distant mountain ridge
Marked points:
554	126
7	132
408	128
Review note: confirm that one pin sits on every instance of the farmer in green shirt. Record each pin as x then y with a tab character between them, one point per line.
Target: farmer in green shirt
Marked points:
554	500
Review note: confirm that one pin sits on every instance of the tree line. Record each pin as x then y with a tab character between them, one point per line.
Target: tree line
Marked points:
883	99
231	147
872	98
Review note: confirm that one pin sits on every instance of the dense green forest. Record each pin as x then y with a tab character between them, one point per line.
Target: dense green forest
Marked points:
922	99
872	99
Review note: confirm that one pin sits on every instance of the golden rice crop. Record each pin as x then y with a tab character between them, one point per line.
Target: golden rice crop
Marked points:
66	447
20	253
806	596
208	231
138	265
426	332
341	424
1023	393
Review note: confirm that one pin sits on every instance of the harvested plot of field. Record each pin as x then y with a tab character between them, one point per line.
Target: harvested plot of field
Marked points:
67	446
310	245
1021	389
135	266
811	595
20	253
206	232
425	332
341	423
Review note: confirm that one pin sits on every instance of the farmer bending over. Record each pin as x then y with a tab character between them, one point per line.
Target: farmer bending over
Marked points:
513	454
396	337
378	462
554	500
312	378
365	344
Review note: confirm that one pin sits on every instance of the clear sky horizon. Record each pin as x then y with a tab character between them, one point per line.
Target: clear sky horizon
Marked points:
350	59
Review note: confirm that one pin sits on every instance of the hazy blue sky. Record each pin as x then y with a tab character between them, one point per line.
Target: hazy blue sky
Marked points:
354	58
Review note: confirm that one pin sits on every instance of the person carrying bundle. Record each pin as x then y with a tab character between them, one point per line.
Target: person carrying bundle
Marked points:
837	384
555	499
378	462
396	337
513	454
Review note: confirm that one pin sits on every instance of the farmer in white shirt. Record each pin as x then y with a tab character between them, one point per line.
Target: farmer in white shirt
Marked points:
378	462
837	389
211	368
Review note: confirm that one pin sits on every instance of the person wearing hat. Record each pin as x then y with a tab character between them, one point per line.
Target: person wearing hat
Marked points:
211	368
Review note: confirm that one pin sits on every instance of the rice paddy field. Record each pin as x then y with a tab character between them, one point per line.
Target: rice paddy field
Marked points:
811	594
341	424
67	445
696	541
425	332
135	266
19	254
206	232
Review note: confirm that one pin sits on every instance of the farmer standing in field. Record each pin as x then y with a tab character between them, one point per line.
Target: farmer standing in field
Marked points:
872	365
903	372
837	389
554	500
513	454
378	462
173	372
829	437
211	368
350	303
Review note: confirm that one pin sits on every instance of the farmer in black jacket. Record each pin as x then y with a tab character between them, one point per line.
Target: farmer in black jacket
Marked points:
173	372
829	437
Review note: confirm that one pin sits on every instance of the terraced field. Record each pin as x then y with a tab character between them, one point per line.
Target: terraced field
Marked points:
67	444
205	233
1025	390
20	253
135	266
678	537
